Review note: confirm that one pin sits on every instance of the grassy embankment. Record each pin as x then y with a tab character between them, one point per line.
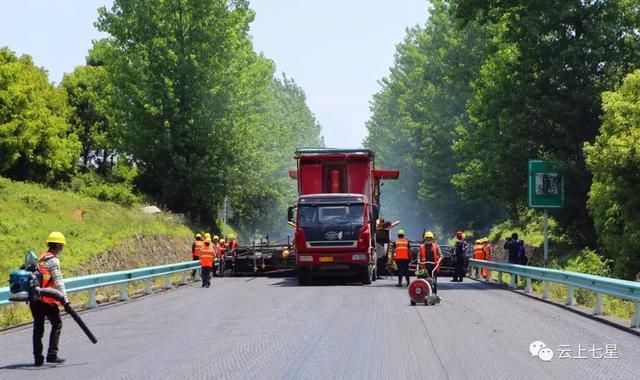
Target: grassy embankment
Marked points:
561	256
101	236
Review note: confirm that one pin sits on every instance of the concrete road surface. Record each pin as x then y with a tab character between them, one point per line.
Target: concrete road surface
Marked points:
265	328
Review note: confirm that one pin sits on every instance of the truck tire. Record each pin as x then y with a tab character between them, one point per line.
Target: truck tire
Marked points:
365	275
304	277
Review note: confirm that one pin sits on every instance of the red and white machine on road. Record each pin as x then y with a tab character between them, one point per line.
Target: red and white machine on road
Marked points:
335	216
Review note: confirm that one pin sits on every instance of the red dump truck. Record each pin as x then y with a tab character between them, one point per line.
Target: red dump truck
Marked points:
335	216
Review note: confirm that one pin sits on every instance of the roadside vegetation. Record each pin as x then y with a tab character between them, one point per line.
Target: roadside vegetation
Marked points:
481	88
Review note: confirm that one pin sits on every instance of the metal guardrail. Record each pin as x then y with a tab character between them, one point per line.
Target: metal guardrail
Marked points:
628	290
122	278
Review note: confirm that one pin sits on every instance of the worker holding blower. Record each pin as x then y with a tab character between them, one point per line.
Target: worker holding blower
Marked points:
47	307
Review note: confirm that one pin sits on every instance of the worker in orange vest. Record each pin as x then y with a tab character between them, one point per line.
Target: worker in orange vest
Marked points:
486	255
232	244
217	249
195	251
207	255
47	307
431	258
478	252
402	256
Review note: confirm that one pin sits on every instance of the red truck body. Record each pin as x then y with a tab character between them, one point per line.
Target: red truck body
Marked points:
338	204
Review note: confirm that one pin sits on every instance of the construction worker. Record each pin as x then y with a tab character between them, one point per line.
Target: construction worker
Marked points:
217	249
47	307
402	256
195	251
430	256
459	249
478	252
486	255
206	255
232	244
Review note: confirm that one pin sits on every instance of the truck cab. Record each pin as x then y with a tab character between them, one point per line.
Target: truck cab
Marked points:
336	212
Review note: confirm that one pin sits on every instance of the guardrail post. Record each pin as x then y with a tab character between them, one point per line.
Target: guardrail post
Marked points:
527	288
635	322
148	286
123	292
599	308
569	296
500	278
167	282
92	299
512	282
545	294
183	279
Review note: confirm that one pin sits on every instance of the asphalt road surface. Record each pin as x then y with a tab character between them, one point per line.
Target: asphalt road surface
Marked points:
266	328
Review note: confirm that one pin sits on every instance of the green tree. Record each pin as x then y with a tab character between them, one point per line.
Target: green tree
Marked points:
36	143
415	117
537	95
90	94
177	66
614	159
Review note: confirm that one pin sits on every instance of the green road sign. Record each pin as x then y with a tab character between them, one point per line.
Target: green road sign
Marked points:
546	184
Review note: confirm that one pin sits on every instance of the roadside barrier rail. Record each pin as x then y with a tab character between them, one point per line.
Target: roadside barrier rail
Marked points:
624	289
121	278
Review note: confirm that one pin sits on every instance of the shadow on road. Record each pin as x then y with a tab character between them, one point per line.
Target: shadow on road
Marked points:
30	367
320	281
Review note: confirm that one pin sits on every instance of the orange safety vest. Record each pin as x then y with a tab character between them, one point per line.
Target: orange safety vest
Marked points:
217	249
206	256
196	249
47	282
478	252
435	251
487	251
402	249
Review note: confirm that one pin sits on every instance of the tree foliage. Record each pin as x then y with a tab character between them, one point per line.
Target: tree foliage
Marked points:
415	117
36	143
537	95
90	94
199	111
614	159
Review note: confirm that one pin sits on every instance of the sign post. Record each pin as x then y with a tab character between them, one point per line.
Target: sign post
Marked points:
546	190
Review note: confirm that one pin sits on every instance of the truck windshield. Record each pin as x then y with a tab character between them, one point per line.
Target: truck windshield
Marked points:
327	214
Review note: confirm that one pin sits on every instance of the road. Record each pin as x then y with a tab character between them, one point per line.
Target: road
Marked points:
269	328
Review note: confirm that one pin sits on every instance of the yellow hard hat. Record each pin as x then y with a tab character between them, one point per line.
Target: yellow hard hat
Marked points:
207	240
478	241
207	235
198	236
484	240
232	236
400	232
216	237
221	241
56	237
429	235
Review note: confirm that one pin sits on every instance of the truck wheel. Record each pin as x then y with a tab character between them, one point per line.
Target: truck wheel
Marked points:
413	303
304	277
365	275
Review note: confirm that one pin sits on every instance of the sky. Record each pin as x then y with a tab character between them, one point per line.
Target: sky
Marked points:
336	50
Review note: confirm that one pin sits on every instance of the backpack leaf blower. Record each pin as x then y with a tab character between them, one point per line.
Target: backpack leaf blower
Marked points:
25	286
